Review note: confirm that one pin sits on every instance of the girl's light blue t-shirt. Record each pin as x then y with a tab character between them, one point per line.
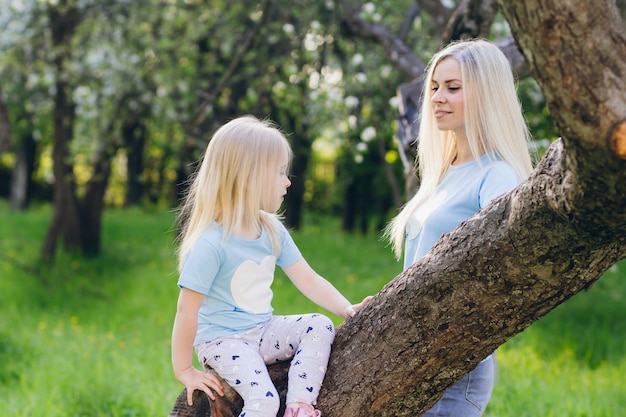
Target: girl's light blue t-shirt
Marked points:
236	277
463	190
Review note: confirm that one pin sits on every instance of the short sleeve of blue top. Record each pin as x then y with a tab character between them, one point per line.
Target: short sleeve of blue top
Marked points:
463	190
236	277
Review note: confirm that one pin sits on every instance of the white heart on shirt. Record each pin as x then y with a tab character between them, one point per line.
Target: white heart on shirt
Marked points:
251	285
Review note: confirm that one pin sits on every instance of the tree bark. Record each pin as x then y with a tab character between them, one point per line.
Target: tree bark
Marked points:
91	209
5	125
134	133
65	222
301	155
471	19
524	254
22	175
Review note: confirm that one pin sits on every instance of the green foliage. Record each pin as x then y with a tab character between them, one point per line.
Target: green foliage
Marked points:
180	69
537	115
91	337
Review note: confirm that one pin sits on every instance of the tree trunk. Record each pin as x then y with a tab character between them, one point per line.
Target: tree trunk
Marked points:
397	196
5	125
65	222
134	134
92	207
301	144
349	206
22	176
520	257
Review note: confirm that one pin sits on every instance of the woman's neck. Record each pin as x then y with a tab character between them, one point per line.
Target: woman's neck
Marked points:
463	153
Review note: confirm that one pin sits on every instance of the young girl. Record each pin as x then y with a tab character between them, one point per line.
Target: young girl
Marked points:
472	147
231	239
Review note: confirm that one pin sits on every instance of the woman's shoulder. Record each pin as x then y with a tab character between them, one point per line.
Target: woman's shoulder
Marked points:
498	178
502	168
494	165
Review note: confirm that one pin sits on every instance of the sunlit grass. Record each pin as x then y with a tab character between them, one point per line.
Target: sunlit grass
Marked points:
88	337
571	362
91	337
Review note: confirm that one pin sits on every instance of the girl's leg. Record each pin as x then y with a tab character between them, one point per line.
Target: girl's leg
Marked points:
237	360
307	340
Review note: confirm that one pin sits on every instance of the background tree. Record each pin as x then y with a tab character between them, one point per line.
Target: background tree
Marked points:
91	101
148	89
517	259
24	99
63	20
145	89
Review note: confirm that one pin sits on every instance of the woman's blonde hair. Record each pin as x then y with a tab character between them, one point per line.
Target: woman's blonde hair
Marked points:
230	187
493	122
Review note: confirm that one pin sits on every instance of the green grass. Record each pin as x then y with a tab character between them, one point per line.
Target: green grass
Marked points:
91	337
571	362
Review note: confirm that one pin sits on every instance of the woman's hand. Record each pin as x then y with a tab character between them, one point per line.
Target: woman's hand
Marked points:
194	379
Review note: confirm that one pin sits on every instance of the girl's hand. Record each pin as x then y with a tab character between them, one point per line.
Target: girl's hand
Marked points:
194	379
353	309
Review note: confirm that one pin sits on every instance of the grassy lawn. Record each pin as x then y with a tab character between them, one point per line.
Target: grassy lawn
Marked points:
91	337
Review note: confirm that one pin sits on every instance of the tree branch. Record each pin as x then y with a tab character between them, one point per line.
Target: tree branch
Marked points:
395	49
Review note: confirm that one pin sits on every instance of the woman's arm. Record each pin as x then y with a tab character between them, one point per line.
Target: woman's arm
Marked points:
183	334
320	291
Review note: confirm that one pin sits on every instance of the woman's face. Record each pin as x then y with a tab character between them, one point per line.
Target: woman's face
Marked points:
447	97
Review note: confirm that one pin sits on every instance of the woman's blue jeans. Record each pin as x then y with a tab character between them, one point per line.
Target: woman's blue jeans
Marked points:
469	396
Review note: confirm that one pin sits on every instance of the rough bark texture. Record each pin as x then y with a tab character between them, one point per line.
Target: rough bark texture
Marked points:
517	259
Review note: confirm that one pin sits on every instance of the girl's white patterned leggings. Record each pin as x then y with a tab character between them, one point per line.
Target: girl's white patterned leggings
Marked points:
240	360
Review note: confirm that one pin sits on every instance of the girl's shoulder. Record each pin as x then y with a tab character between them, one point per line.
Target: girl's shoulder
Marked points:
213	234
274	222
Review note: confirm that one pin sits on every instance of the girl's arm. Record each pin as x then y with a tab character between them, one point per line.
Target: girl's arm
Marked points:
320	291
183	334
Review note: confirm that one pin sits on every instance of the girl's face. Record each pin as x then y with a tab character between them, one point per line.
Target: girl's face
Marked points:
278	183
447	98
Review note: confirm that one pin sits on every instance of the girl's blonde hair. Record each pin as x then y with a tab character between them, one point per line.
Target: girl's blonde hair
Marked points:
230	187
493	122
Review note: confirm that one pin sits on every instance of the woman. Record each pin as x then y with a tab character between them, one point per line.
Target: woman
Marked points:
472	147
